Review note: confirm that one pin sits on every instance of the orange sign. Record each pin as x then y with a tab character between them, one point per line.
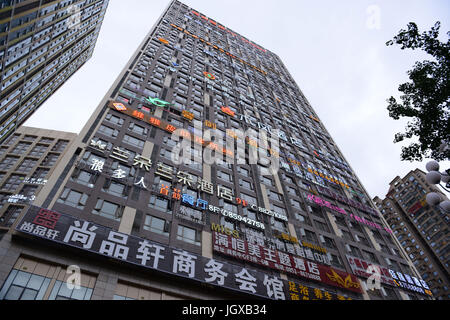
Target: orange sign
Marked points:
228	111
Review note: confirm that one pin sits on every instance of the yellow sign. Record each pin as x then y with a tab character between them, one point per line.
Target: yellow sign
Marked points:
347	283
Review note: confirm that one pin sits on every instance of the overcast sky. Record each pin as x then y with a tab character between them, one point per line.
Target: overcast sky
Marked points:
335	50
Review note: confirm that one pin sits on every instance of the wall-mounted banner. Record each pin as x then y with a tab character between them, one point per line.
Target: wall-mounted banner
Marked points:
70	231
296	291
323	203
345	200
388	276
284	262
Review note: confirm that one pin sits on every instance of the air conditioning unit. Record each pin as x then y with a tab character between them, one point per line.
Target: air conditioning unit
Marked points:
388	261
322	239
302	232
357	238
348	248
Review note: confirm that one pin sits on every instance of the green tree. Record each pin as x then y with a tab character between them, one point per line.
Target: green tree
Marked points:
426	98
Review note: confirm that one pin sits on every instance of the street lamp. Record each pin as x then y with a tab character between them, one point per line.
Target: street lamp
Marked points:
435	177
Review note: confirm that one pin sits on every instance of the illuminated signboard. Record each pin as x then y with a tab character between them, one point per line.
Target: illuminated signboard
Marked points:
319	201
388	276
227	111
161	124
71	232
283	262
209	75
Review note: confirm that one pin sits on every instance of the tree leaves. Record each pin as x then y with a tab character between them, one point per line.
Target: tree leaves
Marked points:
426	98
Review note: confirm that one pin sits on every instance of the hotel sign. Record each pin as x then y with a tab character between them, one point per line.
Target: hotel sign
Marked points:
85	236
280	261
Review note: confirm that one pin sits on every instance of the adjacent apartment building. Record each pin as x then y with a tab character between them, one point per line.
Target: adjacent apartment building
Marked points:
421	229
246	217
42	43
27	159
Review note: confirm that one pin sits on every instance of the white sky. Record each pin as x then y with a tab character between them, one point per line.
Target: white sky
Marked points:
333	49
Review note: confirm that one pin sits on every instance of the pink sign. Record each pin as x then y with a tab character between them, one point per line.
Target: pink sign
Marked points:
324	203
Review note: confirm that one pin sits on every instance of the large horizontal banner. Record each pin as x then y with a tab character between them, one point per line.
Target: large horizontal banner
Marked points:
388	276
284	262
69	231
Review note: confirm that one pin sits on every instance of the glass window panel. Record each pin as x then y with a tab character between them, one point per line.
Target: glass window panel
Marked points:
35	282
29	294
79	294
22	278
14	293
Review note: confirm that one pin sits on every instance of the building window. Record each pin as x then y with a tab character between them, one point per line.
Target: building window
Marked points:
188	235
85	178
107	131
30	280
370	256
108	210
38	150
50	160
160	204
43	140
26	165
115	188
8	163
73	198
133	141
125	291
60	145
61	291
22	285
329	243
13	182
157	225
336	261
21	147
322	226
10	215
40	173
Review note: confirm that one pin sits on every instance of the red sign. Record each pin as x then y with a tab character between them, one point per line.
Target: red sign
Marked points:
284	262
46	218
360	267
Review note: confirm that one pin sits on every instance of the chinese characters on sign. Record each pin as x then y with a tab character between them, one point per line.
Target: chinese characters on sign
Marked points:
388	276
284	262
70	231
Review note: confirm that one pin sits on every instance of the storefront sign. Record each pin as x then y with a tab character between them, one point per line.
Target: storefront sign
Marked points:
69	231
296	291
283	262
314	247
360	267
388	276
224	230
345	200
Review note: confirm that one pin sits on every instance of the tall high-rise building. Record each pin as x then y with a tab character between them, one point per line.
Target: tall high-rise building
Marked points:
42	43
420	228
247	217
